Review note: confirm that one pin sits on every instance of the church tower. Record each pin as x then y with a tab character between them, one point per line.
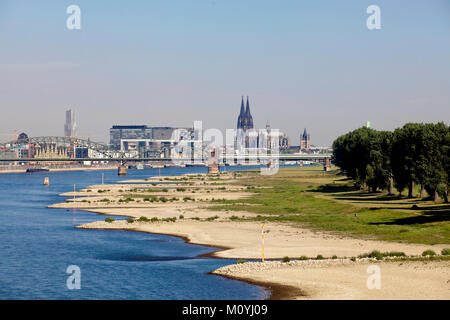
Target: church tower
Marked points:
245	119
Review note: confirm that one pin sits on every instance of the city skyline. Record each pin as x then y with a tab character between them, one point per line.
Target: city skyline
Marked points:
304	65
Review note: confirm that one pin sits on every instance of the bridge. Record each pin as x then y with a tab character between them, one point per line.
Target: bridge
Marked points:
102	153
283	158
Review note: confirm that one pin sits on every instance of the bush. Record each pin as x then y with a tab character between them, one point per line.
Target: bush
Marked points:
374	254
428	253
241	261
143	219
334	257
130	220
445	252
303	258
163	199
165	190
109	219
286	259
181	216
353	259
319	257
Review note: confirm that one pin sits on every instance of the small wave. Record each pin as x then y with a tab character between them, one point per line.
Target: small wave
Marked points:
139	258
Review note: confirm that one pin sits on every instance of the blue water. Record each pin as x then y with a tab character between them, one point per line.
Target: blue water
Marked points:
37	245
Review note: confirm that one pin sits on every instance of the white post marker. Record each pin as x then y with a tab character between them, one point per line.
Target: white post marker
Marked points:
262	241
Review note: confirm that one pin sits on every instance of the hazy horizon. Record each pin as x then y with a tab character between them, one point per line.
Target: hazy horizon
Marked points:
303	64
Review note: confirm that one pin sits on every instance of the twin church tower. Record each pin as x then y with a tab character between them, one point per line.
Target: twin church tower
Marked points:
245	123
245	119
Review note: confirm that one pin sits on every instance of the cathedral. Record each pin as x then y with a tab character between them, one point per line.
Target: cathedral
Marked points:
245	119
248	137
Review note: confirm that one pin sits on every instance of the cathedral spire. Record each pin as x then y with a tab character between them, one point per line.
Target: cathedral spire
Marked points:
242	107
247	108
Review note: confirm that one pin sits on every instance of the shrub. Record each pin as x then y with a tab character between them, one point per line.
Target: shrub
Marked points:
165	190
143	219
319	257
181	216
353	259
428	253
241	261
374	254
154	219
445	252
181	189
109	219
130	220
163	199
286	259
303	258
334	257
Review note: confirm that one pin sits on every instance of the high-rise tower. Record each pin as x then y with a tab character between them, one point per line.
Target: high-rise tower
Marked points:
71	125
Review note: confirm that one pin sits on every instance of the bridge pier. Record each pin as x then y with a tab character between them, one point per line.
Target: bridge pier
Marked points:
122	170
326	164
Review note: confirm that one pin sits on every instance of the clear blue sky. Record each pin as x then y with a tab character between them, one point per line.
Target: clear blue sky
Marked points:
310	64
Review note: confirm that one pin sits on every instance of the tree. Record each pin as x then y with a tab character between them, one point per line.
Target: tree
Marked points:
364	155
405	156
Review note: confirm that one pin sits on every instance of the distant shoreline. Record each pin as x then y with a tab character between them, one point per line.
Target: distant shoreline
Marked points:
62	169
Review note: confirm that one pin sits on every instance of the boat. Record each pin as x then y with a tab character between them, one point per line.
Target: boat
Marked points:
46	181
193	165
33	170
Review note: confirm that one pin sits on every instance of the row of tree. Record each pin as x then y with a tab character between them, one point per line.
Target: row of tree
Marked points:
417	153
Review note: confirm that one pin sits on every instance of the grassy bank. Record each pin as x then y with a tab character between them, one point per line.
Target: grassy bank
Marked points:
327	201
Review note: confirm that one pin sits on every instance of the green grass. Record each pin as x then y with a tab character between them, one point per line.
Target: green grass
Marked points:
380	255
308	197
428	253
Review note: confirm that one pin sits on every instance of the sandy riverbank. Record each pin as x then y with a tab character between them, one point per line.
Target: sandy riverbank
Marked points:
345	279
313	279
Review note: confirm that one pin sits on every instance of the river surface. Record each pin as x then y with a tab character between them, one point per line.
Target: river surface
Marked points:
38	244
